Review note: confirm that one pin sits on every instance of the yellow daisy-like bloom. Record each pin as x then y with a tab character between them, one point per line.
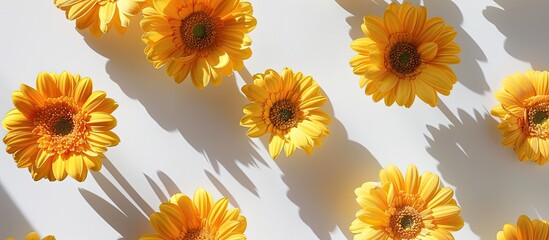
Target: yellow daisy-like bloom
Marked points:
100	15
287	107
206	38
410	207
35	236
525	230
524	112
404	55
60	128
199	219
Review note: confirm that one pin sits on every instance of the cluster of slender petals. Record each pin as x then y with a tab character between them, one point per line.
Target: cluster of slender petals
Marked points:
404	55
525	229
207	39
406	207
198	219
524	111
61	128
35	236
286	106
101	15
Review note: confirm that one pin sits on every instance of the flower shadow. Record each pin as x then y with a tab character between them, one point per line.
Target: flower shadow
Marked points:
523	23
129	220
12	221
207	119
128	216
492	186
322	185
468	71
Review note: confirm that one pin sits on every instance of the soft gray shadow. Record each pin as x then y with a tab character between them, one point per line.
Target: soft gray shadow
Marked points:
322	185
222	189
524	24
126	218
130	220
12	222
493	187
468	71
168	183
208	119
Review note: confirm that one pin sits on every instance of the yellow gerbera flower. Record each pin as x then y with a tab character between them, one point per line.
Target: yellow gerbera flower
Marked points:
404	55
525	230
411	207
197	219
35	236
524	112
287	107
100	15
61	127
206	38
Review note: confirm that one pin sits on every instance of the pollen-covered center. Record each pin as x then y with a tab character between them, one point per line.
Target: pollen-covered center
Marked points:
63	126
195	234
403	58
284	114
60	125
537	116
406	223
198	31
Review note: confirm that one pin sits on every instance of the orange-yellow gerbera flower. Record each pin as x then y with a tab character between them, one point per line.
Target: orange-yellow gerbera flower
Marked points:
60	128
100	15
410	207
524	112
35	236
287	107
206	38
197	219
404	55
525	230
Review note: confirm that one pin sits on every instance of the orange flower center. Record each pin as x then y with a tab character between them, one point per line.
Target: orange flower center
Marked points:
61	126
284	114
536	115
199	31
403	59
405	221
195	234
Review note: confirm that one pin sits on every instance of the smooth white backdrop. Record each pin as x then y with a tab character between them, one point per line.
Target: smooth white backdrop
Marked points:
176	138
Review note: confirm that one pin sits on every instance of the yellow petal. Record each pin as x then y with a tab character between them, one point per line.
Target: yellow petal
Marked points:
94	100
428	186
525	228
58	168
203	202
102	121
46	85
392	22
106	13
218	212
75	168
427	51
164	226
83	90
275	145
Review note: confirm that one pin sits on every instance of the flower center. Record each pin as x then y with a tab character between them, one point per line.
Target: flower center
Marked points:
406	223
195	234
284	114
403	58
61	126
198	31
537	116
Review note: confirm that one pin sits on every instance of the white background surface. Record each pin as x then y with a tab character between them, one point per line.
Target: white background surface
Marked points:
176	138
